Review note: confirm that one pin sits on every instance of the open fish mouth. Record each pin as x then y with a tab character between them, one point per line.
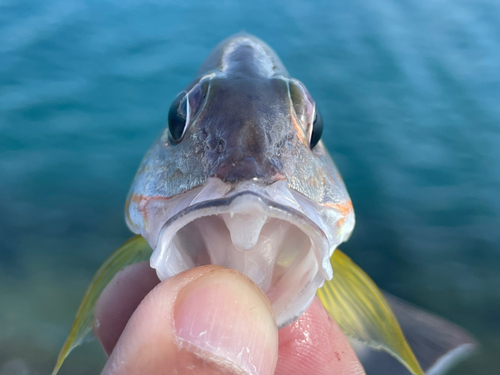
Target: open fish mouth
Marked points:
273	235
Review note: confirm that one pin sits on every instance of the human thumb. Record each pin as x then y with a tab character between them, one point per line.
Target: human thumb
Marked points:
207	320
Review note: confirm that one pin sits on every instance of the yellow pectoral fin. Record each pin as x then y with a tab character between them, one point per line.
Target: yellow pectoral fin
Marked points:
134	250
363	313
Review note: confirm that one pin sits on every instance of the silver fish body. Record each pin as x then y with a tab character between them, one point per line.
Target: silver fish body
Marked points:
240	185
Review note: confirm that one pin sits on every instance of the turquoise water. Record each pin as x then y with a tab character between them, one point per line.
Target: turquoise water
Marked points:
409	91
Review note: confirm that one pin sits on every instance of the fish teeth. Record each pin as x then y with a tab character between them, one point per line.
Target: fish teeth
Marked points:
244	228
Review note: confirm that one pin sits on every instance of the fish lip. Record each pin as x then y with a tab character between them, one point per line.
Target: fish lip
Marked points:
289	259
290	290
294	216
226	202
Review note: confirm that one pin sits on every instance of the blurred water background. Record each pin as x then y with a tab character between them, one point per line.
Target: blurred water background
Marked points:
410	95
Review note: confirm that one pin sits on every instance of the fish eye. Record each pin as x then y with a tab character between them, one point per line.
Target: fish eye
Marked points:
184	108
305	109
197	97
302	104
178	117
317	129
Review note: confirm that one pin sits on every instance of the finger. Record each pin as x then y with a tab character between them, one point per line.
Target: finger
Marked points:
315	345
207	320
319	353
119	300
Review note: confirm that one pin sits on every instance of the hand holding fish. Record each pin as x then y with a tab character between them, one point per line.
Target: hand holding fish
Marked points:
197	322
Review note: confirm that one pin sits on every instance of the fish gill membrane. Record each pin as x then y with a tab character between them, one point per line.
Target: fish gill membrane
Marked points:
240	178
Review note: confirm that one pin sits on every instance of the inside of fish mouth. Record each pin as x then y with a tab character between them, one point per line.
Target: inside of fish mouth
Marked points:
272	250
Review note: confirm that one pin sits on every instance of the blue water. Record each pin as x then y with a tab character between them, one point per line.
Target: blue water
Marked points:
409	90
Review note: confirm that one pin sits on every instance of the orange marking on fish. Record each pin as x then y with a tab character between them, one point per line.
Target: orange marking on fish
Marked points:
142	201
340	222
343	208
299	131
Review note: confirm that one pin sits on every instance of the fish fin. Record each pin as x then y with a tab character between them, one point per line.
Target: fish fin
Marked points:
134	250
362	312
437	343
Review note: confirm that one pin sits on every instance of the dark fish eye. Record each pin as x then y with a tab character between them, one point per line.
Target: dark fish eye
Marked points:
301	104
317	129
197	96
185	108
178	117
304	108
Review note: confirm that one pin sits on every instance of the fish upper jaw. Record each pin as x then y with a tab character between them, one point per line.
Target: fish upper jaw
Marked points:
275	236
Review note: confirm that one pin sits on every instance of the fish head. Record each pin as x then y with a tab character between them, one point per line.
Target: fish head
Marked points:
241	179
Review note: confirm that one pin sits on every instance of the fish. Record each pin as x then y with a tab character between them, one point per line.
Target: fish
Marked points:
240	178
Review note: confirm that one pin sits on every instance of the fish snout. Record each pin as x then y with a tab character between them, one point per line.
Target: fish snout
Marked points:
238	166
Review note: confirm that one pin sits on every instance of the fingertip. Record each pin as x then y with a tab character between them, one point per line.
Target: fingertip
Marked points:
207	320
314	344
224	315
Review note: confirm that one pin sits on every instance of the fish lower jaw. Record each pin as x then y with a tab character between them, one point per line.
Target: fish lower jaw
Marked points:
277	251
